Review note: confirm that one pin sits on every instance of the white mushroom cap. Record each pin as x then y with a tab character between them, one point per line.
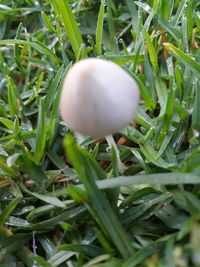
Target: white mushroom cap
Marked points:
98	98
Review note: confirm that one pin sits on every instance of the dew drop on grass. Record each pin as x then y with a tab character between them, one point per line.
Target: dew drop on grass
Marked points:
49	68
104	3
34	244
37	3
108	149
73	5
34	250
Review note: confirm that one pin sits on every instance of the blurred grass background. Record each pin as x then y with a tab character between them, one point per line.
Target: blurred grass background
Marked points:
63	204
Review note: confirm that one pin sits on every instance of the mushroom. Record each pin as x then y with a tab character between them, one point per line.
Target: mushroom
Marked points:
98	99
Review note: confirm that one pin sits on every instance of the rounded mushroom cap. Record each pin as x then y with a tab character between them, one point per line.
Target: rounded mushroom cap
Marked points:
98	98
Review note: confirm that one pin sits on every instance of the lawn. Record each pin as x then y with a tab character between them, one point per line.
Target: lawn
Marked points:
63	200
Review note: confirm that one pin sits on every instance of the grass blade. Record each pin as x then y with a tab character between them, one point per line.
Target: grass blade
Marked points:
149	101
9	171
40	47
184	58
41	134
48	199
66	16
82	162
111	24
13	98
9	208
49	99
152	51
99	30
143	254
33	171
196	110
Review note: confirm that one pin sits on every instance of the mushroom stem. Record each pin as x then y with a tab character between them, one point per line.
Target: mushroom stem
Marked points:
111	143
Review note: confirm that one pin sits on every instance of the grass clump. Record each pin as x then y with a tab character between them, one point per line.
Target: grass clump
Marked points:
73	209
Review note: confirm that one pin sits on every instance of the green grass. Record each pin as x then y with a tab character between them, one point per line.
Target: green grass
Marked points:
62	201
